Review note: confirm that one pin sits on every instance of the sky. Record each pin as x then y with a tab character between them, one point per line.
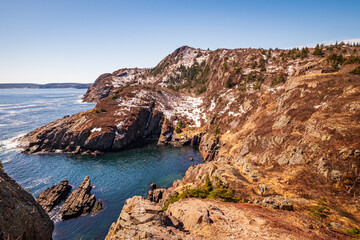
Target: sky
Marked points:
77	40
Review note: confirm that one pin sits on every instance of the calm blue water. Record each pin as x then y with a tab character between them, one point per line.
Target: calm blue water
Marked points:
116	176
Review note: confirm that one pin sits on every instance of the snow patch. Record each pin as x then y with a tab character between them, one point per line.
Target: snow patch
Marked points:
95	130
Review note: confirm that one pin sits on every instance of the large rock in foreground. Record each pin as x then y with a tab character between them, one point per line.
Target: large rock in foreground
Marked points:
80	202
54	195
209	219
142	219
21	217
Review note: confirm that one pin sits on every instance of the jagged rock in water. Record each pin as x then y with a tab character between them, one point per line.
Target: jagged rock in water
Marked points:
80	202
21	217
97	208
52	196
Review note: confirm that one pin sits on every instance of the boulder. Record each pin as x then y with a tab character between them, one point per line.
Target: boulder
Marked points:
278	202
155	195
80	202
52	196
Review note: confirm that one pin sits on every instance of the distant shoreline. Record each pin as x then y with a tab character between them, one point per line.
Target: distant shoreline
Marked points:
48	85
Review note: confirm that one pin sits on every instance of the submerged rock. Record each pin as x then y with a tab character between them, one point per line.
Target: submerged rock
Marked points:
21	217
80	202
54	195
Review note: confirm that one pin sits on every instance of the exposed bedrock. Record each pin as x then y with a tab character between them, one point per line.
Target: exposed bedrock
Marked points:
21	217
54	195
105	128
209	219
80	202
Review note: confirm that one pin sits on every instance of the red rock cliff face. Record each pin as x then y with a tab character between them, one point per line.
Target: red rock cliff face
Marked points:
21	217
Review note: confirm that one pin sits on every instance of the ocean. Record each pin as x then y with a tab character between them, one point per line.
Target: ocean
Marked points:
115	176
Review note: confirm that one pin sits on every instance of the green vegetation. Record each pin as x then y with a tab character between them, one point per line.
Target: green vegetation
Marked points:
281	78
320	211
254	65
355	71
318	51
228	83
99	110
116	94
218	191
354	231
179	127
194	76
1	165
201	90
257	79
352	60
262	65
216	130
335	60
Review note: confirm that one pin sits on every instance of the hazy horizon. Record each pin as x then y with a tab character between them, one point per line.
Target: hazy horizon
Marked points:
48	42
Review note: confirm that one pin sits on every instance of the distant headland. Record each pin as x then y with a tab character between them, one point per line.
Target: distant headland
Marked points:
48	85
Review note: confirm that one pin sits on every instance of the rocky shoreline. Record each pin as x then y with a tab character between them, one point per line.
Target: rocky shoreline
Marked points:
288	125
79	203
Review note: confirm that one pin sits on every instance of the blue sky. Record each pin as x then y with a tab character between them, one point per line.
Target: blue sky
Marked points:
77	40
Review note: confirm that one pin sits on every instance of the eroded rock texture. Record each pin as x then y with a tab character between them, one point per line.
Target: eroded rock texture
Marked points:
80	202
21	217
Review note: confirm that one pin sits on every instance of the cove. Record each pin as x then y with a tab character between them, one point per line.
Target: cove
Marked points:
115	176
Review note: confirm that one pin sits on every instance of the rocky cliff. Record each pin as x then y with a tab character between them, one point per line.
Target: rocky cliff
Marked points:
21	217
286	120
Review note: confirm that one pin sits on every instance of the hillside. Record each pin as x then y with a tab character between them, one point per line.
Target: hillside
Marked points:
284	120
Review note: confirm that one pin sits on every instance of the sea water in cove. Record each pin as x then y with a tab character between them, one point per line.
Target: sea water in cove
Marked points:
115	176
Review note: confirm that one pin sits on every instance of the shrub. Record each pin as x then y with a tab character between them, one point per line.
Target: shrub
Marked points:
201	90
262	65
99	110
353	231
279	79
228	83
352	60
318	51
355	71
254	65
116	94
320	210
179	127
216	130
208	190
335	60
1	165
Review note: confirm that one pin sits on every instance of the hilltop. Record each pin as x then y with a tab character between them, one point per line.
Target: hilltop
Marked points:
285	120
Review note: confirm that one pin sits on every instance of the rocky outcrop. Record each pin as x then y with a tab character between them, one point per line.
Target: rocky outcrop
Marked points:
155	194
98	206
80	202
54	195
142	219
108	83
21	217
112	126
209	219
